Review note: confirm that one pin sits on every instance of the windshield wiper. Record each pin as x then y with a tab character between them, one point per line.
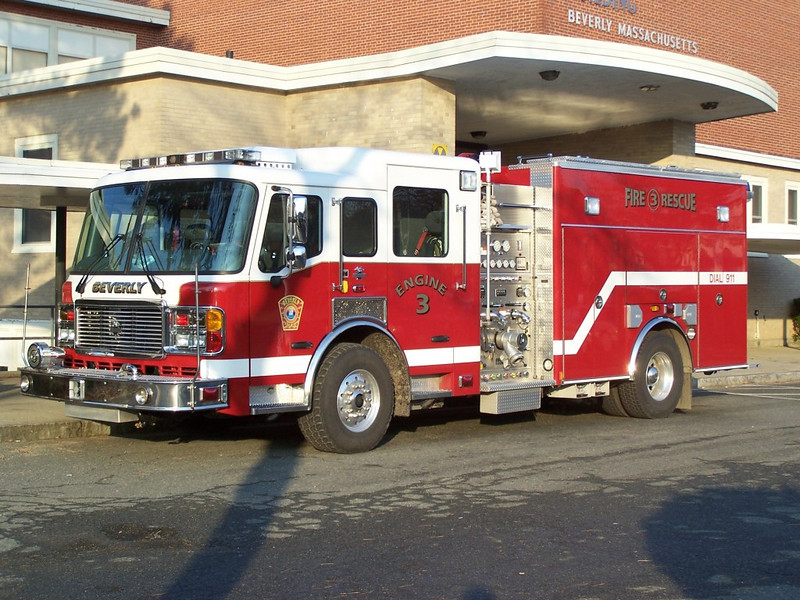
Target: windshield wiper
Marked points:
153	283
104	254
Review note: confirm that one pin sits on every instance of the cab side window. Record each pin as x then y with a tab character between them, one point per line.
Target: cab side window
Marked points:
272	256
359	227
420	221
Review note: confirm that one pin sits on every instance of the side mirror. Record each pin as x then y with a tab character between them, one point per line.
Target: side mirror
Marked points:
296	257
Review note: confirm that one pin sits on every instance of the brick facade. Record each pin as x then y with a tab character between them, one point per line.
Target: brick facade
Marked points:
409	114
645	143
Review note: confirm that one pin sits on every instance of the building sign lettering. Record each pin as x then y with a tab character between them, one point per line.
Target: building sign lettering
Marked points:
654	37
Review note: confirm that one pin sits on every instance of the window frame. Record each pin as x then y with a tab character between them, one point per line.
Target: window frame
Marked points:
346	237
409	247
12	27
315	220
21	145
792	187
764	216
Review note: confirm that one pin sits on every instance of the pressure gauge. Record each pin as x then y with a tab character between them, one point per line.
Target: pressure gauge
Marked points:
497	245
506	245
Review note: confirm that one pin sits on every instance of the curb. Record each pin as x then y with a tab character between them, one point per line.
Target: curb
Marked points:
53	431
711	382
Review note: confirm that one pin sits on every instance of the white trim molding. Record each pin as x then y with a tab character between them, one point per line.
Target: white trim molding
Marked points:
431	60
52	173
745	156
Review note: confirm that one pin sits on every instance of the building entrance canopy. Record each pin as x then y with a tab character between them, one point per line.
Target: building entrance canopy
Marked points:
519	87
48	184
513	86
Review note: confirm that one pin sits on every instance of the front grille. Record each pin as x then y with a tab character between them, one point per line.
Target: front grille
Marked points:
120	328
115	364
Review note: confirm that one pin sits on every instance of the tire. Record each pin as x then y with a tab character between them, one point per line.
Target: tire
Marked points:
658	381
352	401
612	405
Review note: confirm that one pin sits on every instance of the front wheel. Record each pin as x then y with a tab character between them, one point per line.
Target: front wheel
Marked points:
658	381
352	401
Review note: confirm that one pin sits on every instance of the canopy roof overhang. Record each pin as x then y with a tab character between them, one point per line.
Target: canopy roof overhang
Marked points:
773	238
496	76
48	184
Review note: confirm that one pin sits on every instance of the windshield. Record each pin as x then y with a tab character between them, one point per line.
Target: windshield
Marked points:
167	226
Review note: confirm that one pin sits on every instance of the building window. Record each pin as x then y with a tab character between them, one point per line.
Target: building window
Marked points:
791	204
757	204
29	43
34	229
757	209
35	226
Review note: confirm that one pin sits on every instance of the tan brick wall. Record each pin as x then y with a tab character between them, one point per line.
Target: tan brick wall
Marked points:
646	143
407	114
104	123
195	115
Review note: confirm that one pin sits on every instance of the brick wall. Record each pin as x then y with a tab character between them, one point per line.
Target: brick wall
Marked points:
647	143
104	123
407	114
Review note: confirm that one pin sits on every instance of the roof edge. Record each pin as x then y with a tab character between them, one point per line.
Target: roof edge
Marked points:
111	8
747	156
421	60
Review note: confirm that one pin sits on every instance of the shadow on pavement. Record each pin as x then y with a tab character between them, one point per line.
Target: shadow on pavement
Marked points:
740	542
219	566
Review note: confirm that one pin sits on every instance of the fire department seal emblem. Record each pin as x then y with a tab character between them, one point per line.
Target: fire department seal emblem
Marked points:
291	308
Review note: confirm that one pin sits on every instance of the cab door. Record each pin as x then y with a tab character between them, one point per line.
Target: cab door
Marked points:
431	313
359	278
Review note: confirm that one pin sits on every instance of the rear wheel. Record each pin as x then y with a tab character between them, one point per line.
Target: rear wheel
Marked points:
352	401
658	381
612	405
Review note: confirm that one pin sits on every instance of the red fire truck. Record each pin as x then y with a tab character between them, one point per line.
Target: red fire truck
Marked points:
353	285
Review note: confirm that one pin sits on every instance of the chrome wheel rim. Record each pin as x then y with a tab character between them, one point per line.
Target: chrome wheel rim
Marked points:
358	400
659	376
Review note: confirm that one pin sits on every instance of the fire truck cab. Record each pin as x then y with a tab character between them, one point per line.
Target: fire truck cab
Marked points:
352	285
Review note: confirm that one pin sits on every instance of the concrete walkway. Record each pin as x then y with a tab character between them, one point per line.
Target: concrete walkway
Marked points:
24	418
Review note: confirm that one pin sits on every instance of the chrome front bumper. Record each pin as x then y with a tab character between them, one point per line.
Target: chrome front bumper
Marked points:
124	390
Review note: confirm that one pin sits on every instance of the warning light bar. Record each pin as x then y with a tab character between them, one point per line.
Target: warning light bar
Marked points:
249	156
